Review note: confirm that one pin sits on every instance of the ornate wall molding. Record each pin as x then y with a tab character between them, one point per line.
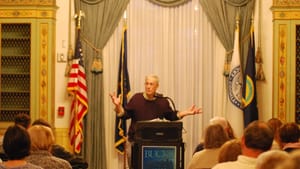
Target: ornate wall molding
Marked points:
44	70
27	2
282	71
27	13
286	3
286	15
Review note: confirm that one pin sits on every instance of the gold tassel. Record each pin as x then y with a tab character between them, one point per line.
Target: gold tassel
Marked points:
226	69
97	66
258	58
260	75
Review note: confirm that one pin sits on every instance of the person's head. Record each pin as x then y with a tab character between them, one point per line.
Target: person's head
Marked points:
292	163
230	150
151	85
289	133
271	159
23	120
16	142
215	136
275	124
225	124
41	137
257	137
219	120
42	122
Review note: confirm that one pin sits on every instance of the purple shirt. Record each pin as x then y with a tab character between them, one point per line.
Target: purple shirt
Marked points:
140	109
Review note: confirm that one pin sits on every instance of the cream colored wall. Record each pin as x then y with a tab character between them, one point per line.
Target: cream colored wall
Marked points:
61	123
264	89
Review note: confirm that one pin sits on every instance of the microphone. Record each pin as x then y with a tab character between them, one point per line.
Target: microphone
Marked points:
160	95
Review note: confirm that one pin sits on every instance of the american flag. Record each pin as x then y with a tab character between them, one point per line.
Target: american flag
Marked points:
77	87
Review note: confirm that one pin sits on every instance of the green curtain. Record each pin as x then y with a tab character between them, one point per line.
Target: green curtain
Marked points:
100	20
222	15
169	3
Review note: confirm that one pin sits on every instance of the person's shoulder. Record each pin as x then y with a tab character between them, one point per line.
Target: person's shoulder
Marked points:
57	162
31	166
225	165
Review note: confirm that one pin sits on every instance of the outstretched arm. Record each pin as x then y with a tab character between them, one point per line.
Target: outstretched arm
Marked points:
116	101
191	111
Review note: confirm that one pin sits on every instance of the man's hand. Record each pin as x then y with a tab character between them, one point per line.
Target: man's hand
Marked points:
191	111
116	100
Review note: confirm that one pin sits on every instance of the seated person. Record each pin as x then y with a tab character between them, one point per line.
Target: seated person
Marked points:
16	145
230	151
275	124
289	135
23	120
59	151
224	123
215	137
292	163
42	139
20	119
257	138
271	159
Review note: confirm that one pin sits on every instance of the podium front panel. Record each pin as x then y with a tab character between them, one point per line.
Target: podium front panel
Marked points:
158	156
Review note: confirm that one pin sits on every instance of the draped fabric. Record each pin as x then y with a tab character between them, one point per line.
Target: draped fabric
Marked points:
100	20
222	15
169	3
179	45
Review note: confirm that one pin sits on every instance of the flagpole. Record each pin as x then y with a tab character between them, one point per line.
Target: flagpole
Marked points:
70	50
125	142
78	25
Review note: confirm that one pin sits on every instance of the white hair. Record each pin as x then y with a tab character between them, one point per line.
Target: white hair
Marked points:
155	77
271	159
219	120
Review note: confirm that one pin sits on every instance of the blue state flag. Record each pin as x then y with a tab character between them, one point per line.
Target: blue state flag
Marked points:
249	89
123	90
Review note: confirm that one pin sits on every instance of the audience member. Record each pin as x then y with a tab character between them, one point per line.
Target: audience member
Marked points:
42	139
230	150
271	159
16	145
257	138
215	137
20	119
225	124
289	134
60	152
23	120
275	124
292	163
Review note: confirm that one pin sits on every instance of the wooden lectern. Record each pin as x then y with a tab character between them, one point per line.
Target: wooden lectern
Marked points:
158	145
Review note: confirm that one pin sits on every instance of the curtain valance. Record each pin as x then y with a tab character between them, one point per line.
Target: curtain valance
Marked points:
169	3
91	2
237	3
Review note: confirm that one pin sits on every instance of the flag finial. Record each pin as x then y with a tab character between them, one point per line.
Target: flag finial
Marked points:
79	16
